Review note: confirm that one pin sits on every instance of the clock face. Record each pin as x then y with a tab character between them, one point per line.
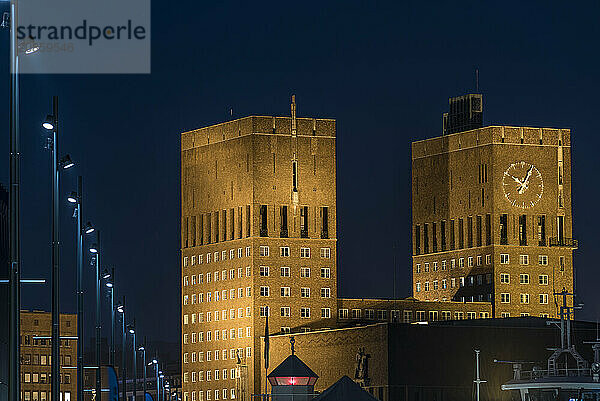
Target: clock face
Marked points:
523	185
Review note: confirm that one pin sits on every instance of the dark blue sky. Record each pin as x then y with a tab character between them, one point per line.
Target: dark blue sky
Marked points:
384	70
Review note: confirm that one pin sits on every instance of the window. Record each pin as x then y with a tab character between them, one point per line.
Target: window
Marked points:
264	291
304	292
303	215
284	271
216	256
461	233
435	266
248	271
305	252
248	251
470	261
264	271
325	272
444	284
488	259
523	260
284	251
262	213
417	240
503	229
285	311
231	274
264	310
523	230
382	315
543	279
505	298
504	278
524	278
426	267
524	298
435	284
239	253
325	293
305	272
561	263
453	264
479	260
461	262
426	286
452	282
285	291
356	313
504	259
325	253
343	313
369	314
443	265
325	313
264	250
462	281
305	313
543	298
433	315
324	222
407	316
223	255
420	316
543	260
418	287
283	220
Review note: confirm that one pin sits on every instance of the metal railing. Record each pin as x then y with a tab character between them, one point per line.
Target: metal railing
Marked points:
558	372
564	242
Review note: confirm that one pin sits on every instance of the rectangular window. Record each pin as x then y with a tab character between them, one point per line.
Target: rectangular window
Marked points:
561	263
523	260
541	230
324	222
470	261
325	272
504	259
417	249
505	298
434	236
304	222
264	271
305	252
543	279
543	298
343	313
524	278
488	259
305	272
504	278
503	229
284	271
461	234
264	291
523	230
286	311
443	234
478	230
325	292
452	234
524	298
283	222
426	238
262	214
356	313
285	291
304	292
284	251
264	310
325	253
305	313
488	229
444	268
470	232
543	260
461	262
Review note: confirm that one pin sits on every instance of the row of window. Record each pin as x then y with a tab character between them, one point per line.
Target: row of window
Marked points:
217	374
44	378
218	335
524	260
523	278
43	395
264	251
216	355
447	235
218	315
287	312
265	271
43	359
507	314
408	316
217	295
186	396
524	298
44	342
443	284
435	266
265	291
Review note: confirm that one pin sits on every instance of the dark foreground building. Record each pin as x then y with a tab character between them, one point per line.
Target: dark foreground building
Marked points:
4	270
435	361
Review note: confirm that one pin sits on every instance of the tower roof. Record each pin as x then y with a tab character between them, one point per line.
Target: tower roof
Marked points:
292	366
343	390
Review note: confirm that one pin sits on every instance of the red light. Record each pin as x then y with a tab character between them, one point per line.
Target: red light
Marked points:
292	380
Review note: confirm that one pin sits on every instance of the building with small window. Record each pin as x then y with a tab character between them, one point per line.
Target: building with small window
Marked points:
36	329
500	195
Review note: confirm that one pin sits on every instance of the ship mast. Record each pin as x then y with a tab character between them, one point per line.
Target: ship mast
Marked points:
478	380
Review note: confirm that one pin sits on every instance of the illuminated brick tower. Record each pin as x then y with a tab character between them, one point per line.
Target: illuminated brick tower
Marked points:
258	235
491	213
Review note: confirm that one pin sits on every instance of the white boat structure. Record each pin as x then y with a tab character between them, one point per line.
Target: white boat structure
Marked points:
567	376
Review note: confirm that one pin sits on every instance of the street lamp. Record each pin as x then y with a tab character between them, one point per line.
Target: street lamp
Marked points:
162	382
51	124
132	332
143	350
155	363
77	198
121	310
110	282
94	249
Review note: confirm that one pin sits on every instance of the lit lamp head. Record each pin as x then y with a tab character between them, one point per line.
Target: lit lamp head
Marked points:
141	348
48	122
120	308
94	248
66	162
73	198
131	330
109	283
105	274
89	228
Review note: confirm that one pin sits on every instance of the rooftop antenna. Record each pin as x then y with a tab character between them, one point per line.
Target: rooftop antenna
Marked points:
476	80
478	380
231	112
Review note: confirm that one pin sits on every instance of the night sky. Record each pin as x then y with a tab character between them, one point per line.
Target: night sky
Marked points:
384	71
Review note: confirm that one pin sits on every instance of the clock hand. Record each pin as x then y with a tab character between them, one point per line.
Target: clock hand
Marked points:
517	180
525	183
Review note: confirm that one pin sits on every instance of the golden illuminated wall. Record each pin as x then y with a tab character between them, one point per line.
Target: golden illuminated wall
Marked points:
492	218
